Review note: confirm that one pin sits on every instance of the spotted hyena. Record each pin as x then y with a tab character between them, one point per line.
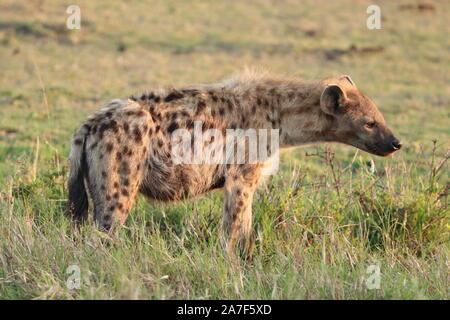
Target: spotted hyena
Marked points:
126	147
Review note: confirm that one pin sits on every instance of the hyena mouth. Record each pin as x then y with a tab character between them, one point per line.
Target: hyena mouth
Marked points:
372	148
375	149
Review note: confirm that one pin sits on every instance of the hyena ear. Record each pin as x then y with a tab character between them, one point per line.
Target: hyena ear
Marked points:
348	79
332	99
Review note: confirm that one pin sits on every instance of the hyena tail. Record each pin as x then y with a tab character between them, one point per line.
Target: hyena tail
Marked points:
78	198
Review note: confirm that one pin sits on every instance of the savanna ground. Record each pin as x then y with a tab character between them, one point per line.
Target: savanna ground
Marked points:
326	217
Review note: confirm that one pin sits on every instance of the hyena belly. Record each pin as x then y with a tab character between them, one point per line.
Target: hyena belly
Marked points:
165	181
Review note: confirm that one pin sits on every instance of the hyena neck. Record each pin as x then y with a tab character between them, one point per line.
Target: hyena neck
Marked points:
293	107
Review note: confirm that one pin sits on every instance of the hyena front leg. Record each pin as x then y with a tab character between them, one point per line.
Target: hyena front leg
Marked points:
240	185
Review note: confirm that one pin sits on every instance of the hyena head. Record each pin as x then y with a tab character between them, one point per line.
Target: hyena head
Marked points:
358	122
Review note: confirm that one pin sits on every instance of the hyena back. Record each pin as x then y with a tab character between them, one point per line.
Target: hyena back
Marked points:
126	147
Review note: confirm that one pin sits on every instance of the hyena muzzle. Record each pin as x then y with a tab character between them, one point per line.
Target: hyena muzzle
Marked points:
126	148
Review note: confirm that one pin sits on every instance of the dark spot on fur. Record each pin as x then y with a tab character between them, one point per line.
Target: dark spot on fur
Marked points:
112	208
102	129
118	156
173	96
78	141
124	168
201	105
103	174
108	114
116	185
184	113
229	105
137	135
116	195
108	197
113	125
125	193
172	127
126	127
221	111
213	96
109	147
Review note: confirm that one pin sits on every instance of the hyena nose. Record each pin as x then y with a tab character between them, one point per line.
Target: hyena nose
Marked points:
396	144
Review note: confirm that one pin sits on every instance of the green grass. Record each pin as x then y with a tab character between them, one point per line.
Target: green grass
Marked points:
318	227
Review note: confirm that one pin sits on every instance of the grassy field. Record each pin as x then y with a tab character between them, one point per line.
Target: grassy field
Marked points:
320	223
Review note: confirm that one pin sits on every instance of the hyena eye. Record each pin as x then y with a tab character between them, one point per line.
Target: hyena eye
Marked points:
370	124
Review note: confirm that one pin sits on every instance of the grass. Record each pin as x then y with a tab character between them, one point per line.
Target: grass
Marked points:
320	223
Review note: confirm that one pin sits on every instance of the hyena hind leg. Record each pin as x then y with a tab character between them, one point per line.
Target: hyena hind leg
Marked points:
115	176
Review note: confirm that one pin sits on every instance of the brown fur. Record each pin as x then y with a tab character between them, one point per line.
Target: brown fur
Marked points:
124	148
